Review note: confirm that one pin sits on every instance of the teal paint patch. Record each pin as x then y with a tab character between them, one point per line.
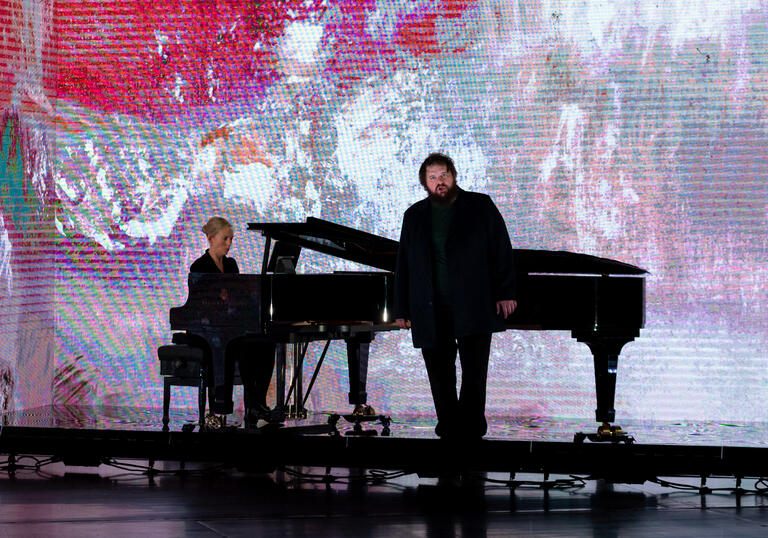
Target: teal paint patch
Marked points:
12	192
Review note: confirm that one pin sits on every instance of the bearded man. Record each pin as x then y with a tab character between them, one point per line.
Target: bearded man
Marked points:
454	286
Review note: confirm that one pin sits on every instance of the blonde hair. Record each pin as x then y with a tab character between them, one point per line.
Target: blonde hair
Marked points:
215	225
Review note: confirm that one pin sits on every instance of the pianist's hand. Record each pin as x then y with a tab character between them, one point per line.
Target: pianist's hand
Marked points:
402	323
506	307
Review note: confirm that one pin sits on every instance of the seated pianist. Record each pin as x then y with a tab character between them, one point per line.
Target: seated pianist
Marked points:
255	358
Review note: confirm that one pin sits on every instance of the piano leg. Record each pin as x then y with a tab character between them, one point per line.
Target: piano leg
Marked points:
358	347
280	353
297	410
222	373
605	351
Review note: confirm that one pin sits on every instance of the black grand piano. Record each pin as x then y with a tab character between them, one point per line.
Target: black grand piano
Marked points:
601	301
288	308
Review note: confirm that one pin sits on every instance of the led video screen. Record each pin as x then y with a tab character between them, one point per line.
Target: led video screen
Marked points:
635	131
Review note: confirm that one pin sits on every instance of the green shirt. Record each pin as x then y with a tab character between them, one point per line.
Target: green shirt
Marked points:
442	215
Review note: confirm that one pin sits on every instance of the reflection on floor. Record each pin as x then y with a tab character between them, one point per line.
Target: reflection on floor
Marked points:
41	496
210	501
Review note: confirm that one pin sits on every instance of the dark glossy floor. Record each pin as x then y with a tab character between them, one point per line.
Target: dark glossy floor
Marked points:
39	497
54	500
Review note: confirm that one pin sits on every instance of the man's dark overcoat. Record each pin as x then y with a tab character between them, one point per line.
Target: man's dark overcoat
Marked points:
480	267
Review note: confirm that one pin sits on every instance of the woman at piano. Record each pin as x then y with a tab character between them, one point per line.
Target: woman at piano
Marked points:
255	359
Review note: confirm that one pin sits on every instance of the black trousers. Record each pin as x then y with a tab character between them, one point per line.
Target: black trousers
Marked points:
461	416
255	360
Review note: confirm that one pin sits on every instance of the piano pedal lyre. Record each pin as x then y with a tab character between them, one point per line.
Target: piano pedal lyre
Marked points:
606	433
297	412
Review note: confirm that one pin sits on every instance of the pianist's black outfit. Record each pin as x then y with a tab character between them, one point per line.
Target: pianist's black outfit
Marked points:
255	358
453	264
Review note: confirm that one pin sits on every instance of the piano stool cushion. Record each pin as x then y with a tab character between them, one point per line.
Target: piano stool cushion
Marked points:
188	339
180	360
180	338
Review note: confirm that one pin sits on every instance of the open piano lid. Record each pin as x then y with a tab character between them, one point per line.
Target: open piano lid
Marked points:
381	253
334	239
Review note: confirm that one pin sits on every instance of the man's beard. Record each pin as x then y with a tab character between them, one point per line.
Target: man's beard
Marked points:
446	197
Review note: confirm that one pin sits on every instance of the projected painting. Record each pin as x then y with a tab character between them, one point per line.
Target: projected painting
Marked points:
636	131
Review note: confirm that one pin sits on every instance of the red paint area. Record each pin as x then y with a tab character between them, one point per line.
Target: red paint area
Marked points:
8	49
127	55
354	52
417	32
417	35
453	9
157	58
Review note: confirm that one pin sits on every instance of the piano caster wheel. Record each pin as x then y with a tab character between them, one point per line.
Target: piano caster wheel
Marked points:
606	431
385	422
614	434
333	420
358	431
605	434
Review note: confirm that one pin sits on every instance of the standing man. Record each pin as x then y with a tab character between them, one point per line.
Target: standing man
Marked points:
455	284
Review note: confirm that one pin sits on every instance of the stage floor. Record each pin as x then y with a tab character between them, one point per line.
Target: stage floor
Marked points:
89	435
111	471
536	429
119	503
122	498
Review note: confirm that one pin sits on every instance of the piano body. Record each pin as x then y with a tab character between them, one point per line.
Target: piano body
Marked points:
288	308
600	301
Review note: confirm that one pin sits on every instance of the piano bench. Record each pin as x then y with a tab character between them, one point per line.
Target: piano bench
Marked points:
182	365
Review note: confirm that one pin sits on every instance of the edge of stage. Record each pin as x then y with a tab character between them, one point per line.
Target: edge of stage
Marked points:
309	444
